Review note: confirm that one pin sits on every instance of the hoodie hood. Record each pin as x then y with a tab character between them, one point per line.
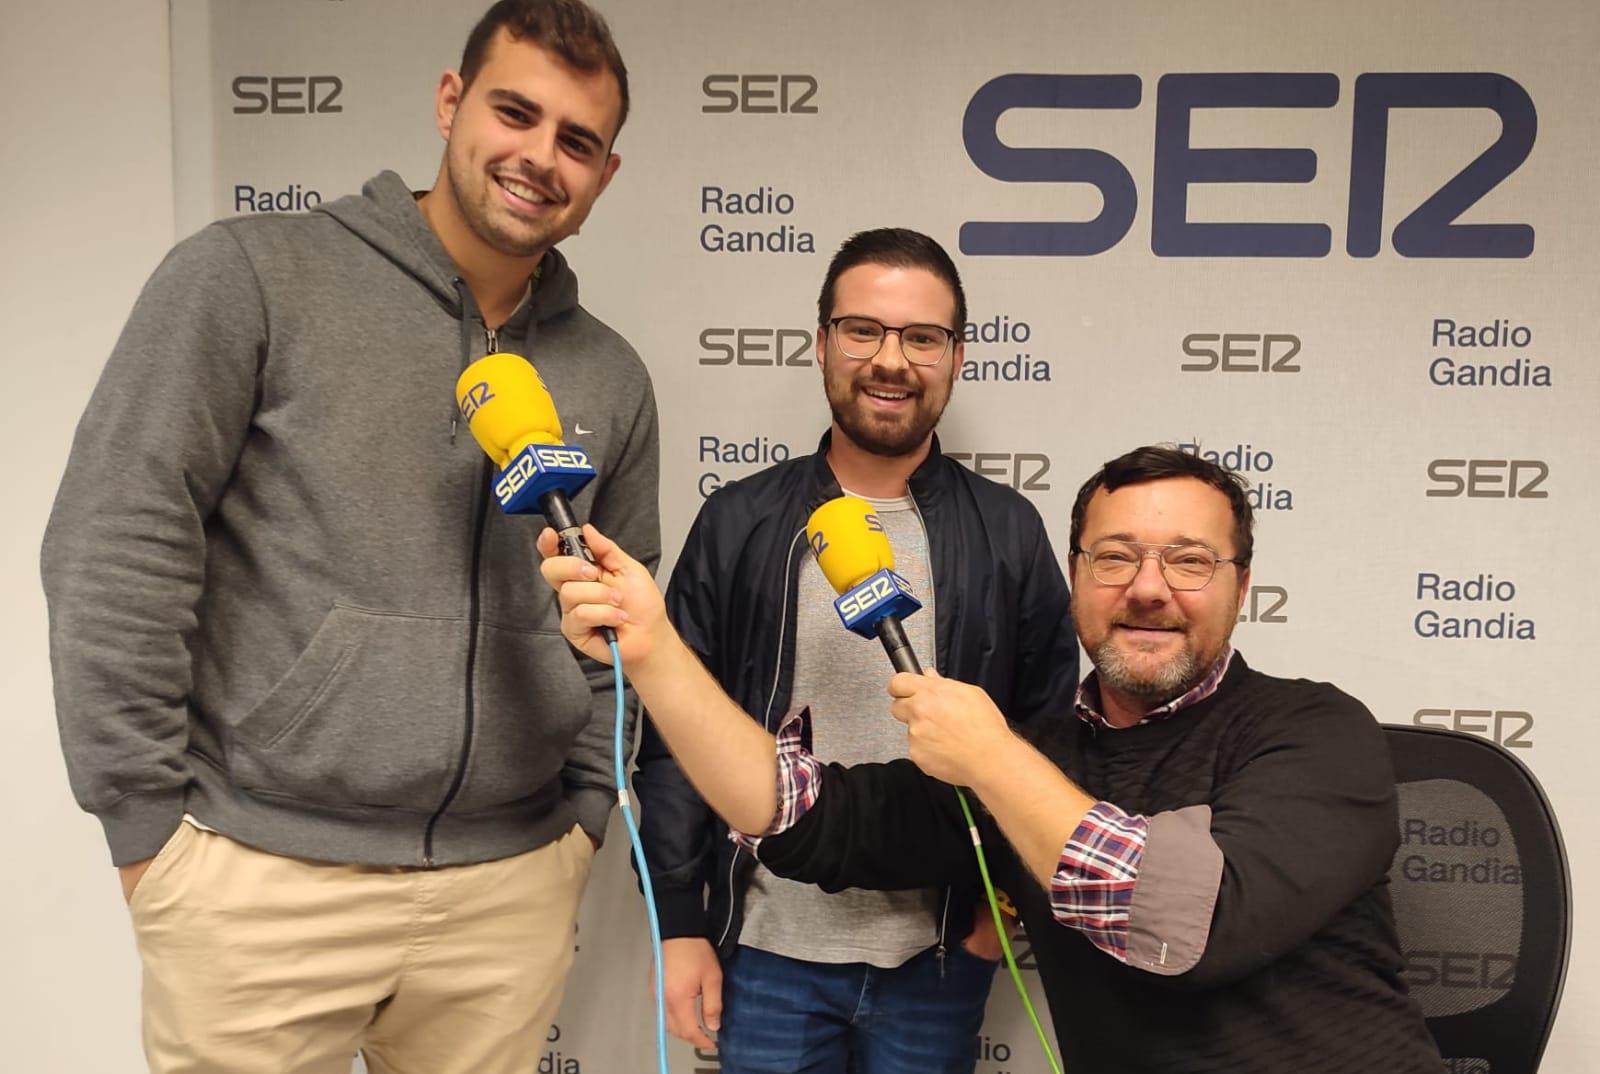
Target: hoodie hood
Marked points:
386	217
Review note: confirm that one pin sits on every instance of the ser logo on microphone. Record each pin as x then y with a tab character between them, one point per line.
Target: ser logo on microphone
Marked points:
556	463
562	458
474	397
883	588
819	540
517	474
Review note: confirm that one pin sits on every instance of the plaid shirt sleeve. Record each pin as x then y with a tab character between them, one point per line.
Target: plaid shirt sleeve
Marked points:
1093	883
799	778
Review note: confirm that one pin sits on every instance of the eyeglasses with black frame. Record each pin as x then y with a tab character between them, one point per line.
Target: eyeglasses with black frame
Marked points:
862	338
1186	567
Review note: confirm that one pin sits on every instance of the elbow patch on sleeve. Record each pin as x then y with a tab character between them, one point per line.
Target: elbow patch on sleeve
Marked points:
1170	916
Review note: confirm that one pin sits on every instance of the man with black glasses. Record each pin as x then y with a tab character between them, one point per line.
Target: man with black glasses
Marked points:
1201	850
780	968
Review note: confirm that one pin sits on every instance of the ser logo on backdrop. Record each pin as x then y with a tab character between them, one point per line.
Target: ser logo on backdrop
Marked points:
1430	230
1488	479
1241	352
310	95
782	347
1024	470
791	95
1511	728
1265	604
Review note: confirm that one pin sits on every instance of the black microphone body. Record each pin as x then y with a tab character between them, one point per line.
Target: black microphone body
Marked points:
897	645
558	512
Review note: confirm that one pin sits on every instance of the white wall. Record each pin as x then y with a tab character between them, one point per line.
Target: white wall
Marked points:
85	214
88	211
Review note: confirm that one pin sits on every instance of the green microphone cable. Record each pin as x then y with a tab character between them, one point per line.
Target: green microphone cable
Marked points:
1000	928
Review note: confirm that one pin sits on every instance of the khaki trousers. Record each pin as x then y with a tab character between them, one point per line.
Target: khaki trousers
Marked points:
255	962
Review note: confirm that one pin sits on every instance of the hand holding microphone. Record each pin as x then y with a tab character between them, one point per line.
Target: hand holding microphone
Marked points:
612	591
953	728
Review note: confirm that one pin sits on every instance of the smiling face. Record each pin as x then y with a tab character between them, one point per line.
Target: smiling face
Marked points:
884	404
527	147
1150	643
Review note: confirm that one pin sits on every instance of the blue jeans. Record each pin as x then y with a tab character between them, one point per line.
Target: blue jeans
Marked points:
784	1016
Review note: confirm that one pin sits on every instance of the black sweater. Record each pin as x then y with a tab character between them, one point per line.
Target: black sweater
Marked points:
1301	969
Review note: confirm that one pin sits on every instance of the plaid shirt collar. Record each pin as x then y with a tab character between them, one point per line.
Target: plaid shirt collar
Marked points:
1089	695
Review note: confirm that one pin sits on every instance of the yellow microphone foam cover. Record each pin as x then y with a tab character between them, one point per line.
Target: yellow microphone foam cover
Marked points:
848	541
507	406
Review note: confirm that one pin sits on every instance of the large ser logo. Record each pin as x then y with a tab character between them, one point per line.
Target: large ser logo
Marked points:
1428	231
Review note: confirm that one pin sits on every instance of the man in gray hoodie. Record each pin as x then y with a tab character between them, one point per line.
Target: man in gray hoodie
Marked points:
306	676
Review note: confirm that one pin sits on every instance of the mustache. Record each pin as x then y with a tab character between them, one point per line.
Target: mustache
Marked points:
1148	624
878	384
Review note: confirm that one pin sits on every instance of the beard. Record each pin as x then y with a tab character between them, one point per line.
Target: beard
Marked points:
875	434
1152	687
474	194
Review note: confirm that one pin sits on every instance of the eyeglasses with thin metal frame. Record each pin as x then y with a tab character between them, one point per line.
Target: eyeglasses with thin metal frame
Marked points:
862	338
1186	567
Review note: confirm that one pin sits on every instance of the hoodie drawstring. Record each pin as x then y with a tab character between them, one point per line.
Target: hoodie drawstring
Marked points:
469	314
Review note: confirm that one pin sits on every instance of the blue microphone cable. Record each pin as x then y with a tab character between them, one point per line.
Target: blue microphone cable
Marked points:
638	853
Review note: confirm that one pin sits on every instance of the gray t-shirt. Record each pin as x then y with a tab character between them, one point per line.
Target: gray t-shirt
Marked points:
842	676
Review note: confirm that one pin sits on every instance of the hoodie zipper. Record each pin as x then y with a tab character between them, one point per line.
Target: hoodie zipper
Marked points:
474	610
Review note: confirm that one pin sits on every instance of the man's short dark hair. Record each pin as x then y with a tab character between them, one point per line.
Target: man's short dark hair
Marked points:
1157	463
569	28
894	247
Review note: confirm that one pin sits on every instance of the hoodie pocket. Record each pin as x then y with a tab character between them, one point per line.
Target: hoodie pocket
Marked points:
370	714
532	704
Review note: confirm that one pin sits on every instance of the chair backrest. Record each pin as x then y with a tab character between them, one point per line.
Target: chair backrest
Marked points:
1482	898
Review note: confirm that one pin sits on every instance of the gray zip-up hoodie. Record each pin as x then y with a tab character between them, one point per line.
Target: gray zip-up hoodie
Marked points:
281	598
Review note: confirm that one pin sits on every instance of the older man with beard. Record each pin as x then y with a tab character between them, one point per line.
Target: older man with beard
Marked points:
1201	850
779	968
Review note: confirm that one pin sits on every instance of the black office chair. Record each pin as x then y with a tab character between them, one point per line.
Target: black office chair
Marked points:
1482	898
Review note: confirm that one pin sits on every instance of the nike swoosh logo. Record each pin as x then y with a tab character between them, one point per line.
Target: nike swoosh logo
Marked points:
578	428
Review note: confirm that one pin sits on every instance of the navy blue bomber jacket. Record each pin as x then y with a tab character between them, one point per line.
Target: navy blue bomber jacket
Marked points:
1002	623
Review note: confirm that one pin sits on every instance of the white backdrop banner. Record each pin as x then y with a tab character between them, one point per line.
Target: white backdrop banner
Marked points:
1347	249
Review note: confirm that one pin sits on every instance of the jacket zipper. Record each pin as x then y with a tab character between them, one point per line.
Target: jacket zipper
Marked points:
480	521
927	538
766	717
